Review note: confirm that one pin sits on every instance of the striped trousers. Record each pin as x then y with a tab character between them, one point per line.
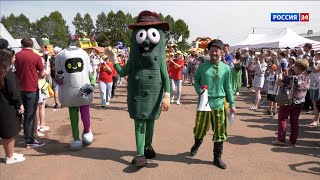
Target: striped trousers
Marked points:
218	120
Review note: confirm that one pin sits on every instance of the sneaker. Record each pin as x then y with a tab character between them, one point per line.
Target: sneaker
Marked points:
34	144
139	161
178	102
237	93
149	152
56	106
40	134
172	100
16	154
310	112
314	123
291	144
76	145
277	143
107	103
15	158
43	128
87	138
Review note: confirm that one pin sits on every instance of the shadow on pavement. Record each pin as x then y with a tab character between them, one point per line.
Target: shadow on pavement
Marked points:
303	147
303	167
54	147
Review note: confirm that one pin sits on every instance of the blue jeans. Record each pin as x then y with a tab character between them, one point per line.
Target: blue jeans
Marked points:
30	103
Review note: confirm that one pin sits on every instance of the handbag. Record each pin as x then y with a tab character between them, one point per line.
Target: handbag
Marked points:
284	96
43	85
237	67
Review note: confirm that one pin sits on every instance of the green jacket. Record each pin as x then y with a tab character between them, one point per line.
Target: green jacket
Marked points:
219	87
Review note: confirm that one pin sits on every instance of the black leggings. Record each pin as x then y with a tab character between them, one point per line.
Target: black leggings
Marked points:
114	85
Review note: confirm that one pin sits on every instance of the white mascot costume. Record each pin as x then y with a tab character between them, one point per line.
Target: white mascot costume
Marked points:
76	86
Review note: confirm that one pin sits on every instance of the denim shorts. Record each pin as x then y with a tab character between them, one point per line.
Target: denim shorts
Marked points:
314	94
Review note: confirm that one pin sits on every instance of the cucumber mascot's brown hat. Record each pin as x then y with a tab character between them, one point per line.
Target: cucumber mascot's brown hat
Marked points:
148	18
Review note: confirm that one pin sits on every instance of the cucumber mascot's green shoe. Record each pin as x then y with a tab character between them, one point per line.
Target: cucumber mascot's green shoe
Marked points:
148	80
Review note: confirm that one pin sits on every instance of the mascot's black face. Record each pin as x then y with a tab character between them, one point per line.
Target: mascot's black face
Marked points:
74	65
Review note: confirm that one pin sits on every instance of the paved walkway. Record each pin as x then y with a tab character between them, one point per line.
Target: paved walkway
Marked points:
247	153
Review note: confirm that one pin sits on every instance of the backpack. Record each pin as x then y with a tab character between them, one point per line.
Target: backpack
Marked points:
237	67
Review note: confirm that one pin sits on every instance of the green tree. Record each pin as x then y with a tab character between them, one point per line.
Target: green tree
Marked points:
61	31
161	16
102	30
42	26
169	34
180	33
118	25
55	27
78	23
18	26
88	26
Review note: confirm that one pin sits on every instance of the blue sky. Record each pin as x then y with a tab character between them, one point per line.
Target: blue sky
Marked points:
230	21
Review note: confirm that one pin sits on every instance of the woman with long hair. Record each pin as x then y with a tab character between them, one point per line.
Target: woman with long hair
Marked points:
260	68
10	105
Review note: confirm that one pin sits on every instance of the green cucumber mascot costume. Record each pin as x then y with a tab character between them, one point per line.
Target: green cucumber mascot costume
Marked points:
148	80
76	86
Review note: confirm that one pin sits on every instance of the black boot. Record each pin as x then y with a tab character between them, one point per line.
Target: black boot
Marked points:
139	161
217	151
149	153
195	147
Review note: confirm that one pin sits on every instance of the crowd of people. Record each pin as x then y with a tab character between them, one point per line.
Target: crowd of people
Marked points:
271	72
27	79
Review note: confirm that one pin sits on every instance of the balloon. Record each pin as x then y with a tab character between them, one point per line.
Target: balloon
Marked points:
119	44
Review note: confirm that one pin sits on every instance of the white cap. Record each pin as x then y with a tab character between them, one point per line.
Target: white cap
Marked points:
292	57
57	49
246	48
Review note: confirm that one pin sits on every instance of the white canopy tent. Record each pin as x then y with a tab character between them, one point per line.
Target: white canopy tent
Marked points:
35	43
4	34
280	38
250	38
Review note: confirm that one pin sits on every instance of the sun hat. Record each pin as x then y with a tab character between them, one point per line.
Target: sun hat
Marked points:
148	18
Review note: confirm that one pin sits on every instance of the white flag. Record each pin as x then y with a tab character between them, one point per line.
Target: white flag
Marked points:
180	39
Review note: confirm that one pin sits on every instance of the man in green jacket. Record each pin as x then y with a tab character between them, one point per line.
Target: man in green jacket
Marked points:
216	75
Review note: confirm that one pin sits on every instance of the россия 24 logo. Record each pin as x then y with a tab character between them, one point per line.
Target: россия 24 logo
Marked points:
290	17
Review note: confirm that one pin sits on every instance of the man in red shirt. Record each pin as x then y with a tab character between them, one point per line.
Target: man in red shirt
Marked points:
176	67
29	68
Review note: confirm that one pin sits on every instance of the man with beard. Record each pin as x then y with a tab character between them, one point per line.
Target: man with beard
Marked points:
215	76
